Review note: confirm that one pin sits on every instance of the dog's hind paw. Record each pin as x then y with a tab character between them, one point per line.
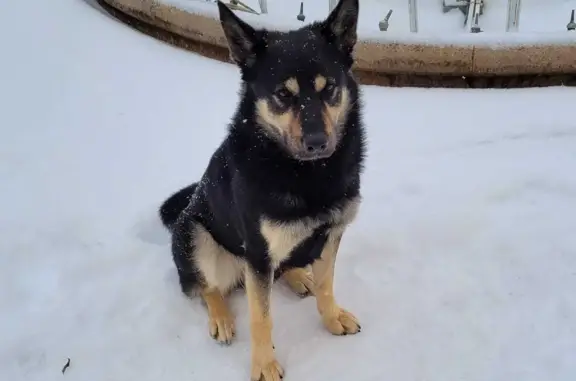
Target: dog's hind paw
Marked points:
220	319
300	281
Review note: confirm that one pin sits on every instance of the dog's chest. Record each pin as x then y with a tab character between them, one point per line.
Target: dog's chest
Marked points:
283	237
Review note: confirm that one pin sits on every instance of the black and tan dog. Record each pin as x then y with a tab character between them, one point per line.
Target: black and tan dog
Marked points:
282	187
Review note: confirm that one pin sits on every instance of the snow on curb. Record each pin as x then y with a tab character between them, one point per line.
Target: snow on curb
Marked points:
384	54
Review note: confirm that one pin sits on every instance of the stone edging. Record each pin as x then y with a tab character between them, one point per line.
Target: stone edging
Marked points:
390	64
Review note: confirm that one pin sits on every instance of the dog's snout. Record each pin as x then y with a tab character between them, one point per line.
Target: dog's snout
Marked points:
315	143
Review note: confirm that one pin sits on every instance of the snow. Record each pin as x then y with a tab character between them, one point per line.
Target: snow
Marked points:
541	22
461	265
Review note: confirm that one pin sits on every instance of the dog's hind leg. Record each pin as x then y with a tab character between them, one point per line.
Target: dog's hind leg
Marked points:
221	322
207	269
221	271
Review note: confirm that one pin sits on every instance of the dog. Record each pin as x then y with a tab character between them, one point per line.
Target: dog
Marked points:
282	187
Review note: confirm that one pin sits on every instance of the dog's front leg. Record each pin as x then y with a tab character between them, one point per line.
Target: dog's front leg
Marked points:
258	282
336	319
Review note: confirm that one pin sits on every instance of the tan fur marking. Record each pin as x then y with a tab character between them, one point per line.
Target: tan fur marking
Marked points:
292	85
283	237
323	270
279	122
221	321
295	129
319	83
220	269
328	123
337	320
334	116
264	364
282	124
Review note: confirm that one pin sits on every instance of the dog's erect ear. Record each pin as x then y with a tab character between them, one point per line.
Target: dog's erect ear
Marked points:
242	38
340	26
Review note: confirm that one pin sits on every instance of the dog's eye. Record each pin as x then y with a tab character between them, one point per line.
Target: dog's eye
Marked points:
283	94
330	89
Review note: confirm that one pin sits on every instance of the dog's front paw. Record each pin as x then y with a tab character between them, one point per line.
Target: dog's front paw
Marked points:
341	323
266	370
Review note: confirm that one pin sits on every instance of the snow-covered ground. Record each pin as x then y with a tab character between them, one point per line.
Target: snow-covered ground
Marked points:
461	265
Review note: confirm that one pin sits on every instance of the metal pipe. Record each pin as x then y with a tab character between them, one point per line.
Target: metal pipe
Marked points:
383	25
571	25
472	20
513	17
413	13
301	16
263	6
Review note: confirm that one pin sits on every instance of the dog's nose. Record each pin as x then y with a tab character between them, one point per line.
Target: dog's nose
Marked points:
315	143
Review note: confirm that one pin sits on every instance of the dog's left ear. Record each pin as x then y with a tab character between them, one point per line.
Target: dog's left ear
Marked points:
340	26
243	40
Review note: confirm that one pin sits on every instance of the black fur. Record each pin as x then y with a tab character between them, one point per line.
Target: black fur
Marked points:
171	208
251	175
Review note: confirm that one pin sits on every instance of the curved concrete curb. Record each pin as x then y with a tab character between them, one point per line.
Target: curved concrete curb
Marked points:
387	64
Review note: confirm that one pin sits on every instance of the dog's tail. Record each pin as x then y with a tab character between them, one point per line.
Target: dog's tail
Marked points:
175	204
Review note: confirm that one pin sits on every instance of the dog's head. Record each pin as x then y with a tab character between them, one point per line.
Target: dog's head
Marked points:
300	80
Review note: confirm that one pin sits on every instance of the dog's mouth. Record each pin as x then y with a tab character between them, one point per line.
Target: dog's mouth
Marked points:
302	155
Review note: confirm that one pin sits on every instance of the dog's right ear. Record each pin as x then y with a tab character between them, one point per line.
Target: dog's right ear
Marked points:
243	40
340	26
